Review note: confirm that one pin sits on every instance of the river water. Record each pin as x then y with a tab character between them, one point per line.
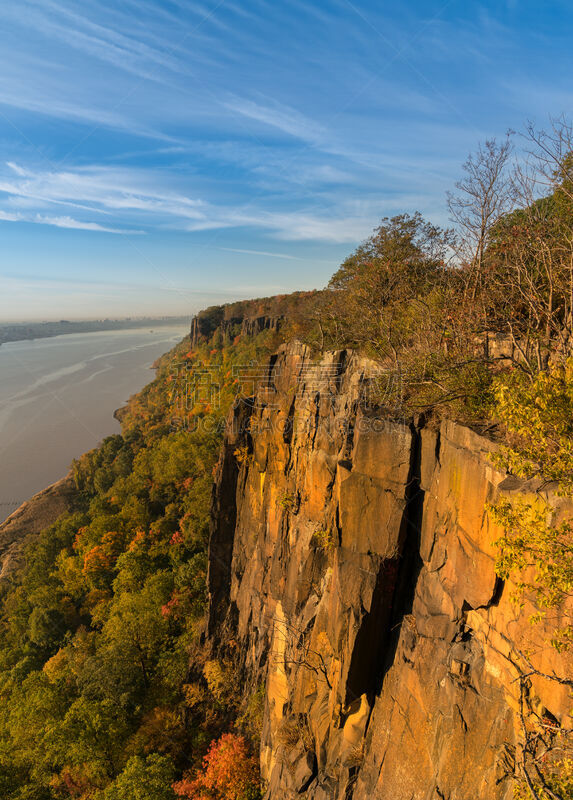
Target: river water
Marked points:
57	398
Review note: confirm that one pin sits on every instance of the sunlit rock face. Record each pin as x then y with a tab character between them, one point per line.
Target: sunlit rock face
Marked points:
352	572
202	328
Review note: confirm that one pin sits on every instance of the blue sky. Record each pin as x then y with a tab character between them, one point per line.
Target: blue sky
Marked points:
156	157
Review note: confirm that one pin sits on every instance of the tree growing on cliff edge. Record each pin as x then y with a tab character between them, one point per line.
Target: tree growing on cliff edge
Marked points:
530	268
389	279
537	554
399	299
485	195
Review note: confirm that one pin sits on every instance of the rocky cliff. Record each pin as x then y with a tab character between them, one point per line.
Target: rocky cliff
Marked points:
237	322
352	573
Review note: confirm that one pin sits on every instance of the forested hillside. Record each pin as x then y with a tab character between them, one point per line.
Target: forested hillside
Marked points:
97	631
108	690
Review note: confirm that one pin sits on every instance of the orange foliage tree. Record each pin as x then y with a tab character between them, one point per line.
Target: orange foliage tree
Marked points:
230	772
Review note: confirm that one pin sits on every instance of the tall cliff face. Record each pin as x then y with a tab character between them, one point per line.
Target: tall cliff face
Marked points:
352	572
202	328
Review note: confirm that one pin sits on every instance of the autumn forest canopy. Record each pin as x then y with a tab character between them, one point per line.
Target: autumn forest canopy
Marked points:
106	691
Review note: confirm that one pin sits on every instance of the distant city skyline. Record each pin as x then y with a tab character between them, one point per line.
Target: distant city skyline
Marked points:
158	157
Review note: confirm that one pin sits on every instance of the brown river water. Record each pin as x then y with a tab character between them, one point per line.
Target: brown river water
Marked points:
57	398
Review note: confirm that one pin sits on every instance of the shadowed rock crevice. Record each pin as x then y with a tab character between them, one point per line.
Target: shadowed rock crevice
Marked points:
410	564
370	645
224	519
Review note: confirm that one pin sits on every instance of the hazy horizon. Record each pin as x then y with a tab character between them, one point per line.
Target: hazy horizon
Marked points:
57	399
40	320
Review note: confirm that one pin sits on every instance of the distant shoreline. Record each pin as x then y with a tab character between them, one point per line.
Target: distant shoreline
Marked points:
26	331
60	400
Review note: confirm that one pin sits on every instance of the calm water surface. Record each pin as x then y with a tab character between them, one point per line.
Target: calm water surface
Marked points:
57	398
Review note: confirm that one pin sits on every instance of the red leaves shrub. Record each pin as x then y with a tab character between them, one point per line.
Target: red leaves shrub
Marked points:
170	608
177	538
229	773
72	783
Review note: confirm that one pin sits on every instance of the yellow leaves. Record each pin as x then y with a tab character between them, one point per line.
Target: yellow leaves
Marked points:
287	501
538	417
95	598
323	539
242	455
194	695
67	664
55	667
536	554
323	645
219	680
69	572
137	542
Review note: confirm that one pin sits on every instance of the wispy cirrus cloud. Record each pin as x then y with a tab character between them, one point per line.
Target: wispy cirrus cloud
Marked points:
97	189
279	116
130	54
263	253
79	225
337	228
7	217
27	95
293	226
142	201
65	222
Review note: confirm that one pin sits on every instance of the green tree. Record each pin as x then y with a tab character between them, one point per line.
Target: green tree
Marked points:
377	287
143	779
135	631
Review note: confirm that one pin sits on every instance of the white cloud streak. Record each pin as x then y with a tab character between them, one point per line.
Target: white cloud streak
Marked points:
141	200
264	253
276	115
65	222
78	225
